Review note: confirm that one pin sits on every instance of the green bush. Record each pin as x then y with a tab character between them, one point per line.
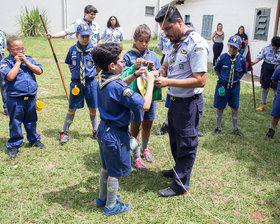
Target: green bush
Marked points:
30	22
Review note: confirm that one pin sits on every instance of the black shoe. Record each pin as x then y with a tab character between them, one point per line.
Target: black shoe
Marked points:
13	153
200	134
168	173
216	131
169	192
270	133
5	112
38	144
163	129
94	134
237	132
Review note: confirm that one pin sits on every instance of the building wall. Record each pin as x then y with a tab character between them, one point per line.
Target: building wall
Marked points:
231	14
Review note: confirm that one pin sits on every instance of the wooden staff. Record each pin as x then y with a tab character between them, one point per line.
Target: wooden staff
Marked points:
252	77
54	55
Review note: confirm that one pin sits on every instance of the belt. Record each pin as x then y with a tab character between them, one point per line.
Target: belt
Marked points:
27	97
174	98
112	126
87	79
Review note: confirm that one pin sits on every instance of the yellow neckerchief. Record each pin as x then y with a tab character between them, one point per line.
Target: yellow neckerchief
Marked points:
82	65
103	81
230	81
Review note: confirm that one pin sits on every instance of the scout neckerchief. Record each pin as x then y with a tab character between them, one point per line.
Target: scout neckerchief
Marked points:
231	75
82	64
176	46
141	83
105	79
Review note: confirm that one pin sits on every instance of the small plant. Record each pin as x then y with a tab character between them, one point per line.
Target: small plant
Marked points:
30	22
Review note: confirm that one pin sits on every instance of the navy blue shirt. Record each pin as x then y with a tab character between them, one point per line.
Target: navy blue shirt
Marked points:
116	99
223	65
73	58
276	77
25	81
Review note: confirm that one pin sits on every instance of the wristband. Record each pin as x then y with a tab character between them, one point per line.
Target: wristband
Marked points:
135	75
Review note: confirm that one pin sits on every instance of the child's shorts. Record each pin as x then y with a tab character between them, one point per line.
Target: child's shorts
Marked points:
266	73
231	97
139	115
276	106
87	92
114	149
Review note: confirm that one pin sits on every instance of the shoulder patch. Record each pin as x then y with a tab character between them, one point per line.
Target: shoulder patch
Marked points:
127	92
3	66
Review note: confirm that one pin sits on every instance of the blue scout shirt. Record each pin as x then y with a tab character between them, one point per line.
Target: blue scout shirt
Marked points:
190	57
94	27
131	56
223	65
268	55
116	99
164	44
24	83
112	35
73	58
276	77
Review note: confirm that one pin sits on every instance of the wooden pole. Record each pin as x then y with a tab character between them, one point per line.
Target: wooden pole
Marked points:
252	76
56	61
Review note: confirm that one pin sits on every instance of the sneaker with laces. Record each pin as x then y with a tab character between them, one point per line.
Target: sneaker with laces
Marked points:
270	133
237	132
13	153
94	134
118	208
138	163
147	155
37	144
169	192
64	136
100	203
216	131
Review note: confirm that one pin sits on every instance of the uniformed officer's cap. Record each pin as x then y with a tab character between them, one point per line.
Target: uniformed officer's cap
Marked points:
83	29
234	41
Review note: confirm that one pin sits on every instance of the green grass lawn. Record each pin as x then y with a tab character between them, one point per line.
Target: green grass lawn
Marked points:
234	178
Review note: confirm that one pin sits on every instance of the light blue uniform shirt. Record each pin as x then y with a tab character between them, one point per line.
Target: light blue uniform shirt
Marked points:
191	57
164	44
2	42
112	35
268	55
94	28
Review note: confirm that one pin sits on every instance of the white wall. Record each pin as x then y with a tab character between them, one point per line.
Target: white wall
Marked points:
231	14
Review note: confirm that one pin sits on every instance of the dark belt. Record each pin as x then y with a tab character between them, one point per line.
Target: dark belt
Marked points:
112	126
27	97
174	98
79	81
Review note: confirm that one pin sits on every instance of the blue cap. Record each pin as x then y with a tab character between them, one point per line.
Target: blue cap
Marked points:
83	29
234	41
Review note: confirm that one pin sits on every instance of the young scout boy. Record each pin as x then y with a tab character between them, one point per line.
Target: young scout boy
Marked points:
275	113
115	102
83	84
230	68
21	88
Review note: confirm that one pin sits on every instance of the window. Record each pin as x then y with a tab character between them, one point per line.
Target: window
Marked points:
207	23
149	11
187	18
262	24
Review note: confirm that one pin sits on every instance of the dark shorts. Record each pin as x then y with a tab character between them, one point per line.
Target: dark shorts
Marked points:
87	92
114	149
231	97
276	106
139	115
266	73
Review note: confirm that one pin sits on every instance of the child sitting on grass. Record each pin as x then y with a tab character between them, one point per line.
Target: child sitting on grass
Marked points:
115	101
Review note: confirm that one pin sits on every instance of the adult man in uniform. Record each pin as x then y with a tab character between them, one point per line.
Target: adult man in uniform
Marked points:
89	15
186	68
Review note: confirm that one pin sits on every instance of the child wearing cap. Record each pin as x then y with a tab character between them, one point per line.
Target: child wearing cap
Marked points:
275	113
83	84
115	102
19	72
230	68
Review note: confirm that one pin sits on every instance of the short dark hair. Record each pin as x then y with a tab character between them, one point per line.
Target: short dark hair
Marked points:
90	8
142	29
109	22
11	39
104	54
275	42
168	13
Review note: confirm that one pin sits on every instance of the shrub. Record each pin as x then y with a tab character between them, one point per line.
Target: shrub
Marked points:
30	22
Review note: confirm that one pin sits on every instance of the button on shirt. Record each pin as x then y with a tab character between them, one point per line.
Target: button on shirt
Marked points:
94	27
223	65
25	81
112	35
268	55
190	57
115	100
73	58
